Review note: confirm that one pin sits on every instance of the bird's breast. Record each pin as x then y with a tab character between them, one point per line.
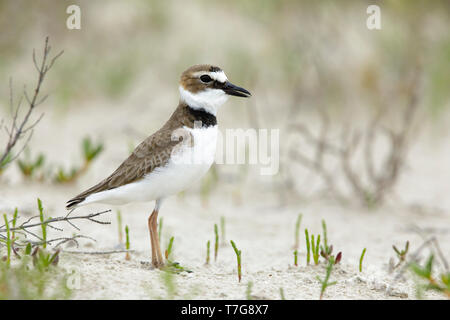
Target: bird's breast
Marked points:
198	147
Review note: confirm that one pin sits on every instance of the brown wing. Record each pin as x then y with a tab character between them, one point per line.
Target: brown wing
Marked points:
153	152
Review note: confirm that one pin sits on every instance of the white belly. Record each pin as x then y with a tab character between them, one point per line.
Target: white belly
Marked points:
187	165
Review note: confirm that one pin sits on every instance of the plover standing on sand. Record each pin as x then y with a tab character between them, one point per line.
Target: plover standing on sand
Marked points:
175	156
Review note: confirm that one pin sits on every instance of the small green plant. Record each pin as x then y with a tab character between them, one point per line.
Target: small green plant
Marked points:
238	256
296	258
160	225
361	259
325	282
168	280
28	166
216	241
119	225
308	247
42	259
207	251
8	242
325	234
426	273
282	297
64	177
169	248
4	163
327	250
90	151
14	221
172	266
328	254
43	225
34	276
401	255
315	249
127	243
297	231
248	292
222	229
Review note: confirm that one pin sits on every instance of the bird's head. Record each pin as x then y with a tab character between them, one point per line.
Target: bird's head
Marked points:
207	87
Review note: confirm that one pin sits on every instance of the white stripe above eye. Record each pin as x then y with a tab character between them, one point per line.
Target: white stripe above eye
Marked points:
218	76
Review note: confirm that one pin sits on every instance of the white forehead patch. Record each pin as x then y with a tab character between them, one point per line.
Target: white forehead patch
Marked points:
218	75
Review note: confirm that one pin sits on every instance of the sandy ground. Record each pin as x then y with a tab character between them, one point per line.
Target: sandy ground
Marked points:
261	227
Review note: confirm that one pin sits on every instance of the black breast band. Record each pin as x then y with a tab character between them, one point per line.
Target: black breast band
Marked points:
207	119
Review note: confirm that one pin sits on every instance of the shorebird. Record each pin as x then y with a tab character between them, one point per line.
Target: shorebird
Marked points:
175	156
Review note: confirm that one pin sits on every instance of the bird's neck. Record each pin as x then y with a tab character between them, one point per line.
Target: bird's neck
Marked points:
186	116
207	100
201	117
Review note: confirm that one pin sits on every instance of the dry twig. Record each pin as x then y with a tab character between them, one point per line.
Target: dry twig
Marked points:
22	128
25	227
371	186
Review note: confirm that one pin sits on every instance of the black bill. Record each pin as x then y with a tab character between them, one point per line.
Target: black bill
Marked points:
233	90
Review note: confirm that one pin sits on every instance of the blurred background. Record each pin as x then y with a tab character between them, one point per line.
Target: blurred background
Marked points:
117	81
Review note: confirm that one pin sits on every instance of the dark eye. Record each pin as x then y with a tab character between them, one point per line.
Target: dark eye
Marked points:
205	78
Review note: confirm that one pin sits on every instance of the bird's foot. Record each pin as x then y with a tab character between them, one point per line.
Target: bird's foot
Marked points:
151	265
169	266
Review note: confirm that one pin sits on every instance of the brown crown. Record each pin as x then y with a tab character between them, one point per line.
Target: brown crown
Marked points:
193	83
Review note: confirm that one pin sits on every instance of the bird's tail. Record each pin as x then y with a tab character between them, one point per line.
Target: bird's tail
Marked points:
73	203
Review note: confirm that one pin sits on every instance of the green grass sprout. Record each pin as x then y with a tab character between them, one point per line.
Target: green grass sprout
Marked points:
361	259
127	242
172	266
282	294
216	241
119	224
168	279
42	259
27	166
14	221
43	225
315	249
308	247
8	241
325	282
160	225
207	251
168	251
222	229
401	255
238	256
248	291
327	250
441	284
296	258
4	163
297	231
90	151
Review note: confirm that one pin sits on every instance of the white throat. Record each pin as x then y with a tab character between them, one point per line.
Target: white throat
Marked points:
210	99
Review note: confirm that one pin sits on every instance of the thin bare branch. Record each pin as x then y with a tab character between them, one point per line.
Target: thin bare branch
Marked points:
18	129
98	252
27	226
66	218
367	184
